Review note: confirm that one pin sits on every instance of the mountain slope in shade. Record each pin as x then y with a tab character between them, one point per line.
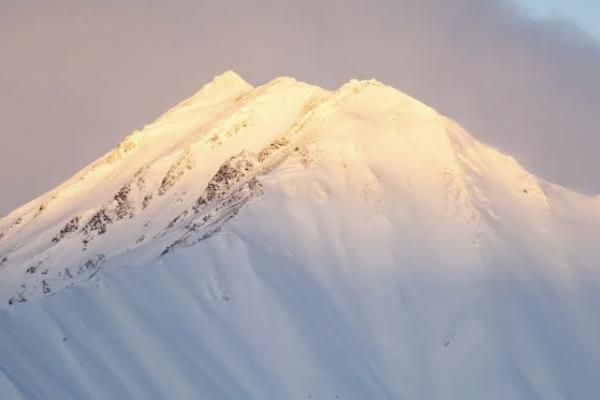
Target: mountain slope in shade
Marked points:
290	242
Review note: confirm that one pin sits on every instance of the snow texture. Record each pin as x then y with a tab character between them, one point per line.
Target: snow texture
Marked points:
288	242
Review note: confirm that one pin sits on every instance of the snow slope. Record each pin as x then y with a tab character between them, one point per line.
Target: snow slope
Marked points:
287	242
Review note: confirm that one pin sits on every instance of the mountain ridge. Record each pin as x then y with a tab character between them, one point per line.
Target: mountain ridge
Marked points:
287	241
168	141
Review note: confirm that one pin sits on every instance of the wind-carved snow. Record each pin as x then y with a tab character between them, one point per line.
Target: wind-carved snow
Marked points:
286	241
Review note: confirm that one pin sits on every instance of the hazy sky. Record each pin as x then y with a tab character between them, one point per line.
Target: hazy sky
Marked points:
585	13
76	76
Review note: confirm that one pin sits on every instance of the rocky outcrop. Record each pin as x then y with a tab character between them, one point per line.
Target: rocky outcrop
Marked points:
176	171
71	226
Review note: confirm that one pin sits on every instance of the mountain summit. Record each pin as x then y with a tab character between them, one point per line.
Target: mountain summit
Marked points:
289	242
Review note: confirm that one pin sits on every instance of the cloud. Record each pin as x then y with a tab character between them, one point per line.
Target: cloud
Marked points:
77	77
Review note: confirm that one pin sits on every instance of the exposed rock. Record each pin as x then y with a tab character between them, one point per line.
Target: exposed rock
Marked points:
19	298
45	287
71	226
176	171
128	144
140	179
177	218
39	211
146	201
123	206
230	173
92	265
275	145
97	225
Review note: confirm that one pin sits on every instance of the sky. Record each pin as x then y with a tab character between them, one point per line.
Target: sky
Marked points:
77	76
584	13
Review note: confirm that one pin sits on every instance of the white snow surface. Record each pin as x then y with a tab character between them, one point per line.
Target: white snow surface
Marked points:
288	242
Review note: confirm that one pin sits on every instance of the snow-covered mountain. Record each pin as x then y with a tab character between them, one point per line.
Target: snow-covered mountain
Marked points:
288	242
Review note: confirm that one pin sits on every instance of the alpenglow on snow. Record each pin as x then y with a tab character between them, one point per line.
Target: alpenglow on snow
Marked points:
290	242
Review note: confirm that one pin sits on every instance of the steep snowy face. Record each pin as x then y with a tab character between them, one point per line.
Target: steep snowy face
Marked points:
176	178
303	244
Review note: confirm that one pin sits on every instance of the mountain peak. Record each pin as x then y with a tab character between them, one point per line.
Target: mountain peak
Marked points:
229	77
175	180
286	241
221	86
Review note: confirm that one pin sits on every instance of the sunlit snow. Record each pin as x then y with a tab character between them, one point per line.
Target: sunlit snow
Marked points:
289	242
